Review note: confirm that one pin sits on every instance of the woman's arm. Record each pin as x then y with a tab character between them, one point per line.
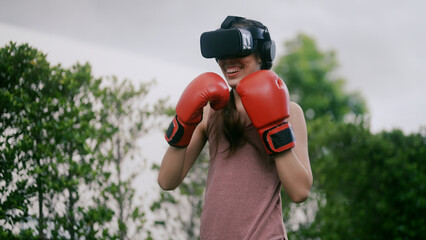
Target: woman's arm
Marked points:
177	162
293	165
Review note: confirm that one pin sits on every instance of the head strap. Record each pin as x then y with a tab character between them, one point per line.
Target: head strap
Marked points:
228	20
257	32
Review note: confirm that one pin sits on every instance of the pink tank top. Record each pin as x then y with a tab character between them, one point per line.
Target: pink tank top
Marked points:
242	198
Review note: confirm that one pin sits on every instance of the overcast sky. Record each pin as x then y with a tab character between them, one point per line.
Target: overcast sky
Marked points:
379	44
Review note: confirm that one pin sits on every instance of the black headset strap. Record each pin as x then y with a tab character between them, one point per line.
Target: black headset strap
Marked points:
257	33
228	20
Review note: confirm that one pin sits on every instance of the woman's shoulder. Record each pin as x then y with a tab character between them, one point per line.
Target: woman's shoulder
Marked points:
296	112
295	108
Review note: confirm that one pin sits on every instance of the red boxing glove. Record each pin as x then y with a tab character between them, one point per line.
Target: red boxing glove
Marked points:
208	87
266	100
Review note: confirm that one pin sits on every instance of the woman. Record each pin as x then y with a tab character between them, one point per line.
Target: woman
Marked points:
251	132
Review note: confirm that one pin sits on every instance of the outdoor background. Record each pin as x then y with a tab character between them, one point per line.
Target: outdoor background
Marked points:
378	45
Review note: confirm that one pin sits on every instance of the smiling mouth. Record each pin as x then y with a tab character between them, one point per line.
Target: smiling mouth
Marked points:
232	70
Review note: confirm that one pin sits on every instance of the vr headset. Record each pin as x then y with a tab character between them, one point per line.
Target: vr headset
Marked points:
237	41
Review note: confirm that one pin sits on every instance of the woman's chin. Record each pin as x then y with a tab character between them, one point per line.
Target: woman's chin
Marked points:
233	83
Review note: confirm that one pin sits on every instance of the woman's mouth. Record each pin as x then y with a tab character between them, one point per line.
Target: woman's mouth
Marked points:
232	70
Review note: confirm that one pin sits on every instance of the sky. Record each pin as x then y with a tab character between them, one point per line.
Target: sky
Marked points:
379	44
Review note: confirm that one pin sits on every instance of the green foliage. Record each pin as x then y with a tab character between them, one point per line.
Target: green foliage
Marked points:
18	65
59	135
373	184
46	125
125	112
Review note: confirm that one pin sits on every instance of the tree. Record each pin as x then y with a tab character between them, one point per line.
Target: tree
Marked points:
125	111
61	129
47	122
17	68
372	184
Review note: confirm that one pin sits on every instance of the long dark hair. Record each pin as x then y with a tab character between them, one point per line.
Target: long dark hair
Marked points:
228	121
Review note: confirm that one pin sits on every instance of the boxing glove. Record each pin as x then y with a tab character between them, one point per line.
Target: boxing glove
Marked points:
207	87
266	100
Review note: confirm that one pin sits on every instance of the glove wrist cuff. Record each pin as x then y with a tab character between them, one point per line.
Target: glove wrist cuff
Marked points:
278	138
179	134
